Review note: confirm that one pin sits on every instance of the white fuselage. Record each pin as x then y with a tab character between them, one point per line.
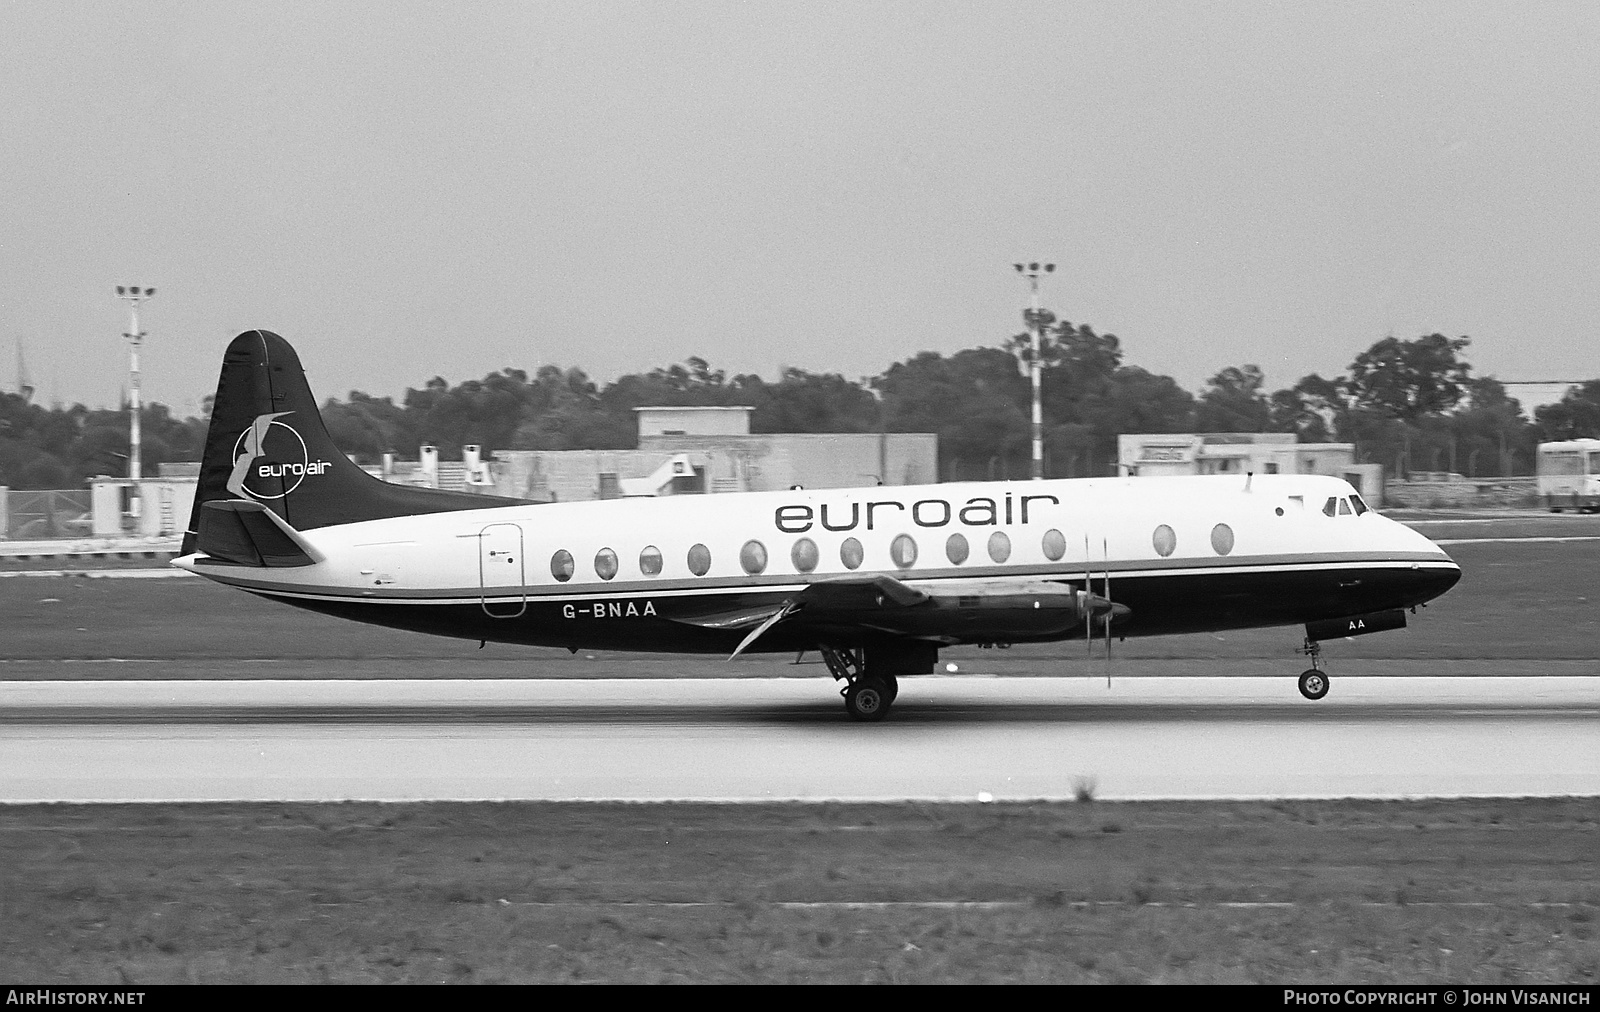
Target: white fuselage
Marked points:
593	560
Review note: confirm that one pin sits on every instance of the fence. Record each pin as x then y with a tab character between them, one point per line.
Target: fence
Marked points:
42	515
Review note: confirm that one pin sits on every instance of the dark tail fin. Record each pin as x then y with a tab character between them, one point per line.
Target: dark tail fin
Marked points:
267	445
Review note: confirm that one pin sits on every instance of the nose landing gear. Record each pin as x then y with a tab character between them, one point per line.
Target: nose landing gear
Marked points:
1313	681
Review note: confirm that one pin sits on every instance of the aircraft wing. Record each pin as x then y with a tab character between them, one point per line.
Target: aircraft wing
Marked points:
882	604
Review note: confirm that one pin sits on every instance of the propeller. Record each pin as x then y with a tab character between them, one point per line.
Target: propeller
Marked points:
1105	551
1099	605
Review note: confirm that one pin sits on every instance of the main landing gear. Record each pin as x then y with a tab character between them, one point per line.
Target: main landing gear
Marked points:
867	694
1313	681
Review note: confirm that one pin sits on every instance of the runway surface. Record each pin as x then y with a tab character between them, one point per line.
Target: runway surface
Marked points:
949	738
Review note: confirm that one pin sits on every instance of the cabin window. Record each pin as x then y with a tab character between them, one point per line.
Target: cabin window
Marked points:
1054	545
850	553
699	560
903	550
804	555
650	561
956	550
1330	507
1164	540
561	566
1222	539
999	546
753	557
605	563
1360	506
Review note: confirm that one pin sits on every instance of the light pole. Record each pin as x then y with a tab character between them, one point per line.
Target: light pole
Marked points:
1031	272
134	295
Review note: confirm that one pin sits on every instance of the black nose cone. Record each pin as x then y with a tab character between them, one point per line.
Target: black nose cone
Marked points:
1429	582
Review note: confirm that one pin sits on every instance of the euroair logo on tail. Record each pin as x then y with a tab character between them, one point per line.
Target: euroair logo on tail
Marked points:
270	459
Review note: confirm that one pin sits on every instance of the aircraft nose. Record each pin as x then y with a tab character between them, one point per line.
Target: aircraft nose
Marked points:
1429	582
1433	574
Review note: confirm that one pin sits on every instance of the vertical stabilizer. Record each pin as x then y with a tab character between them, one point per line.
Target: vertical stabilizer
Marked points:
267	445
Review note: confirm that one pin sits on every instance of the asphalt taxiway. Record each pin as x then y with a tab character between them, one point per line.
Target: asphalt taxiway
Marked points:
949	738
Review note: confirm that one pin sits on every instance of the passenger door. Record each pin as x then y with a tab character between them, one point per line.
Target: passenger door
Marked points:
500	570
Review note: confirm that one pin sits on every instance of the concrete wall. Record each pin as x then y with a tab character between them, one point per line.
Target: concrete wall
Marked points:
1483	493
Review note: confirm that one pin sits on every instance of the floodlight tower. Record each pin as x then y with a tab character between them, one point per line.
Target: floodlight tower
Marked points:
1031	272
134	295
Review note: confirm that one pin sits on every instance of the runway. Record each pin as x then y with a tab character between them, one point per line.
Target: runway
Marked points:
949	738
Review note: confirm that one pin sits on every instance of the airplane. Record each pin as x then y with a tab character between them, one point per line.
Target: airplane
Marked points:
877	580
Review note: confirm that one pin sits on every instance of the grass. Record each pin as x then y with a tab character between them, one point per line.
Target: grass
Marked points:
530	892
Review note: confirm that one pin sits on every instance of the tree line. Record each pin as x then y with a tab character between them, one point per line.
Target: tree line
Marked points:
1408	405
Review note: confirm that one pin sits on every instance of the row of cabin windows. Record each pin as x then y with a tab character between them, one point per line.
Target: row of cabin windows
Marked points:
805	555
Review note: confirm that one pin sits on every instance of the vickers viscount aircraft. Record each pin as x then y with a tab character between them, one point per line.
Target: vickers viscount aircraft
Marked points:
876	580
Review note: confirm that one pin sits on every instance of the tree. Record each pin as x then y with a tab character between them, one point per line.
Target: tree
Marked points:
1575	416
1489	431
973	400
1294	410
1233	402
567	414
1410	379
1076	367
815	402
367	427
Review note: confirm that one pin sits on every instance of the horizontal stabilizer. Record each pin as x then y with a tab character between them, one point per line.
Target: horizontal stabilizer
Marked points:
246	533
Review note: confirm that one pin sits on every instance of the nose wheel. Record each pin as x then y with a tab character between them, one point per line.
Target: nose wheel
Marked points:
1313	680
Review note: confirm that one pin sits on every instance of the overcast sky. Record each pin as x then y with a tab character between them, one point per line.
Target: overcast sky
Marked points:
406	190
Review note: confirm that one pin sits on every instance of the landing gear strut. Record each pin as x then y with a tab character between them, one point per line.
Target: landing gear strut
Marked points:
867	697
1313	681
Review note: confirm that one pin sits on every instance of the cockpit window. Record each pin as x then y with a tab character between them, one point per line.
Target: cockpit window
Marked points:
1344	508
1360	506
1331	506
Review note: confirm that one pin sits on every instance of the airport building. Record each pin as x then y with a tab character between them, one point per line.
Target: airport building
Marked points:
708	450
1156	453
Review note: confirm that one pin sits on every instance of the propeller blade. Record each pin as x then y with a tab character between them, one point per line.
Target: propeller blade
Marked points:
1088	607
1105	551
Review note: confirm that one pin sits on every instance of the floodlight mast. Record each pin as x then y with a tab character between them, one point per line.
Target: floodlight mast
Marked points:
1031	272
133	295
